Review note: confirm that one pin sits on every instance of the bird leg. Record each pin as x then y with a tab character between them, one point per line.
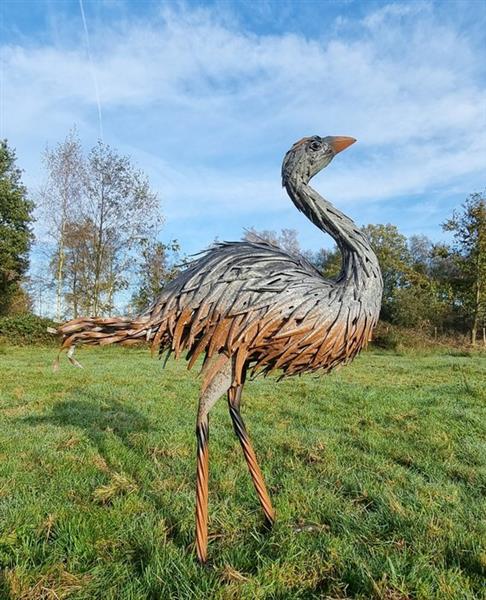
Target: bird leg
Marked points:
202	433
234	397
219	385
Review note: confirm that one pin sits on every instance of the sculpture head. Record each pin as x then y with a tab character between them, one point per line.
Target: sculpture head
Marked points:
310	155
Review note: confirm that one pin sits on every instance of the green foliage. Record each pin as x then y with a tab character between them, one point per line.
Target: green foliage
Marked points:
26	329
390	247
157	267
469	255
376	472
15	231
417	278
329	262
418	304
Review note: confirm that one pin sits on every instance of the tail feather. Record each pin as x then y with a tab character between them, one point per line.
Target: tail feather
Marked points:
94	331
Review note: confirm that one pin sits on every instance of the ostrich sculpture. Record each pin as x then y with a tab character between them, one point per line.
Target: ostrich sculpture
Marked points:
250	307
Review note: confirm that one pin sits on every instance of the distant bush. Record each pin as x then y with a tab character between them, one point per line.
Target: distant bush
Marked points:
26	329
401	339
386	337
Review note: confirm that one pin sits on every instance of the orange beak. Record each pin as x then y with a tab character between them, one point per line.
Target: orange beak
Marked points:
340	143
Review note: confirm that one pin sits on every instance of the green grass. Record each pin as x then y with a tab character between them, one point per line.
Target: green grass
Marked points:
377	473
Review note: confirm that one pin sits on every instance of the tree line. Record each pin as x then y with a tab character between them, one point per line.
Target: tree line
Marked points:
101	233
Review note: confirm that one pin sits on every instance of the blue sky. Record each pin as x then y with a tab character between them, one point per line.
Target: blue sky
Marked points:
207	97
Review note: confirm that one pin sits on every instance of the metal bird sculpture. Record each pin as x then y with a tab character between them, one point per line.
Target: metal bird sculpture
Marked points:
251	307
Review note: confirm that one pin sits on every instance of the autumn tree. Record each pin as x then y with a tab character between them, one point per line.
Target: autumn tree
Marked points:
15	231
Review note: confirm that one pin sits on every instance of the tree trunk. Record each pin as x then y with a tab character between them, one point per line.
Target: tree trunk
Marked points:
477	301
99	256
75	293
60	266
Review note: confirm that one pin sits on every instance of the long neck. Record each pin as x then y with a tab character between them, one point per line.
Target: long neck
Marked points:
359	261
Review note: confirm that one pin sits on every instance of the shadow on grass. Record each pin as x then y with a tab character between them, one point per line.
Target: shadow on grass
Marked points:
98	416
103	418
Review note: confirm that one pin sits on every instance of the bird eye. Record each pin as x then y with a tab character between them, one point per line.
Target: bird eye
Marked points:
315	145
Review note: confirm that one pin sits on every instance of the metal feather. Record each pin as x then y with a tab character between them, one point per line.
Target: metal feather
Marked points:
256	302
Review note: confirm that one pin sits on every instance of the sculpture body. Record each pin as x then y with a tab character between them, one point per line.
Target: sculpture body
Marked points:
250	307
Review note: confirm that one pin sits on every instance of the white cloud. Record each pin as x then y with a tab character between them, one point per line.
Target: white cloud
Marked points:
209	109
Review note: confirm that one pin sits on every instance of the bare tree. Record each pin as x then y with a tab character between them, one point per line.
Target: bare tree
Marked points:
38	287
287	239
60	200
99	211
124	214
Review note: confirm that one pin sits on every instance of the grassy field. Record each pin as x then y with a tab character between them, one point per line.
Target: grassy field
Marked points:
377	473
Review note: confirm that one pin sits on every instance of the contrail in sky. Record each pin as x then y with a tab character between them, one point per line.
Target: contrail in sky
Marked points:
93	72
